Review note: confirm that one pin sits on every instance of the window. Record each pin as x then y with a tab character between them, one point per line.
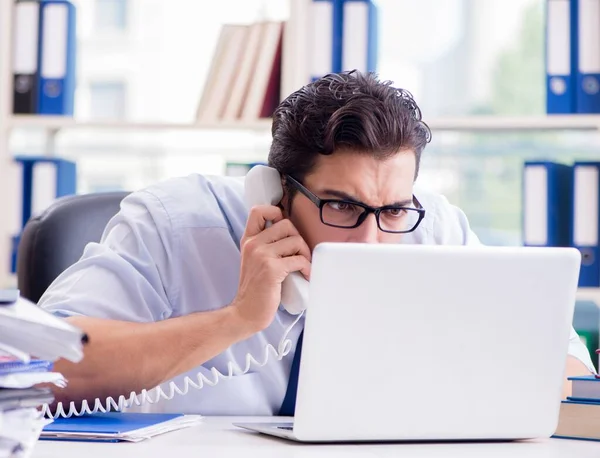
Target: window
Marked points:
110	15
107	100
466	57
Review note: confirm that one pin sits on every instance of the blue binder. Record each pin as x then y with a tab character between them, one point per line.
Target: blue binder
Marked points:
65	183
561	55
359	35
588	56
103	427
57	39
65	180
586	220
546	203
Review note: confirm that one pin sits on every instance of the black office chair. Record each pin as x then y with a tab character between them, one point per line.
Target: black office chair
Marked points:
55	239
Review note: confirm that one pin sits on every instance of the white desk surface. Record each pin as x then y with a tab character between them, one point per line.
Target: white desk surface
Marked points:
217	437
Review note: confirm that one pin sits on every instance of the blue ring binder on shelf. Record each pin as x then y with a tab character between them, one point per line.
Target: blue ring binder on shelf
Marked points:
561	56
63	182
345	36
585	220
56	57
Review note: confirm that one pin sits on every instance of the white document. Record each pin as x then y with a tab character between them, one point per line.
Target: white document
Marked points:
30	329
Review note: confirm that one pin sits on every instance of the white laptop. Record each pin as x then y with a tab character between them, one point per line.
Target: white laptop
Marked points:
414	342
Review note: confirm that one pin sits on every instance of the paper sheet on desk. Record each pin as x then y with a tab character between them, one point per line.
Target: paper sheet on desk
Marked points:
19	431
29	379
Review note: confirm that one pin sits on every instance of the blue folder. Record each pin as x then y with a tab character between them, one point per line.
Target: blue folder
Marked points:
57	39
111	424
561	55
35	365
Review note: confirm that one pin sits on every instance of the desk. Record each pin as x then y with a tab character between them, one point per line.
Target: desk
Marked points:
217	437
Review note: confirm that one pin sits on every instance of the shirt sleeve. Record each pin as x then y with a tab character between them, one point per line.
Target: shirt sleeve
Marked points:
450	225
579	351
127	276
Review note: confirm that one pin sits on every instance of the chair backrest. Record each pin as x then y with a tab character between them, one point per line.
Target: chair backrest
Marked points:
55	239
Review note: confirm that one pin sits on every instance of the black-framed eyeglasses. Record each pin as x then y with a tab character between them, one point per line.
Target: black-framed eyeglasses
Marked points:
348	214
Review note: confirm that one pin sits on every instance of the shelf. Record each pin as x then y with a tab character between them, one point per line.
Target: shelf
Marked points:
466	124
589	294
516	123
60	122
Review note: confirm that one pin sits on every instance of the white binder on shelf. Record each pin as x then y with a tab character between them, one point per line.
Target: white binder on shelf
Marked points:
586	221
324	42
359	42
561	50
546	203
25	56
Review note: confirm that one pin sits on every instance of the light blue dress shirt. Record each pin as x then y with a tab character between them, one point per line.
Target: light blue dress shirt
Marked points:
174	249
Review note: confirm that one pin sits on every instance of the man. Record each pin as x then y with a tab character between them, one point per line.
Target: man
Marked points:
185	279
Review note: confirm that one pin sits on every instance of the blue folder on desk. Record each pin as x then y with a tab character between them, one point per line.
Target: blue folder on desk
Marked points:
116	426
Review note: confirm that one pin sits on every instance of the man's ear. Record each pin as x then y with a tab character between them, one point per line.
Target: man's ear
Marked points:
284	204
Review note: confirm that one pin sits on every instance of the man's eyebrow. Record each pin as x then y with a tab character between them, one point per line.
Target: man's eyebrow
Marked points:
345	196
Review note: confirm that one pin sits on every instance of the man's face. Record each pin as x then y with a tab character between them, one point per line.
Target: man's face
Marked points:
355	177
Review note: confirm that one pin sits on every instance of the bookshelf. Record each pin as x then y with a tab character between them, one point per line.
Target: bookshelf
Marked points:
56	123
589	294
455	124
295	72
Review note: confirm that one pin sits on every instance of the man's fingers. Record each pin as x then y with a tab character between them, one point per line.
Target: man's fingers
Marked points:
258	218
290	246
278	231
297	263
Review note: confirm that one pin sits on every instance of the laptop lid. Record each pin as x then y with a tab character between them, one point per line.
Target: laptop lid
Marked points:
414	342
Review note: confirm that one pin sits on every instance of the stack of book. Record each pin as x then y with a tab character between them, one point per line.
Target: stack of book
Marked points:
30	341
580	413
244	80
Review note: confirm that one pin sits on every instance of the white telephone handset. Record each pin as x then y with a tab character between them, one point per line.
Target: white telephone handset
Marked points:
263	187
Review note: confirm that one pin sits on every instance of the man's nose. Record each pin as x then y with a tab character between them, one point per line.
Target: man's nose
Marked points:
367	232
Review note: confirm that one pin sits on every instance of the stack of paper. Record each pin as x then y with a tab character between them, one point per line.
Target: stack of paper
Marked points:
116	426
30	340
26	329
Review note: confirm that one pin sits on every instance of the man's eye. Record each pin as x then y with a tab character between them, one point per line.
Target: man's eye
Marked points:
395	212
341	206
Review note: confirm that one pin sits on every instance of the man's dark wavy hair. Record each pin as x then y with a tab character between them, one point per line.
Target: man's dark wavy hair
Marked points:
349	110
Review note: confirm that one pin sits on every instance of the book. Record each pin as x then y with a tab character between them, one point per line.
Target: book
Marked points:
579	420
227	54
585	388
117	426
579	416
244	79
